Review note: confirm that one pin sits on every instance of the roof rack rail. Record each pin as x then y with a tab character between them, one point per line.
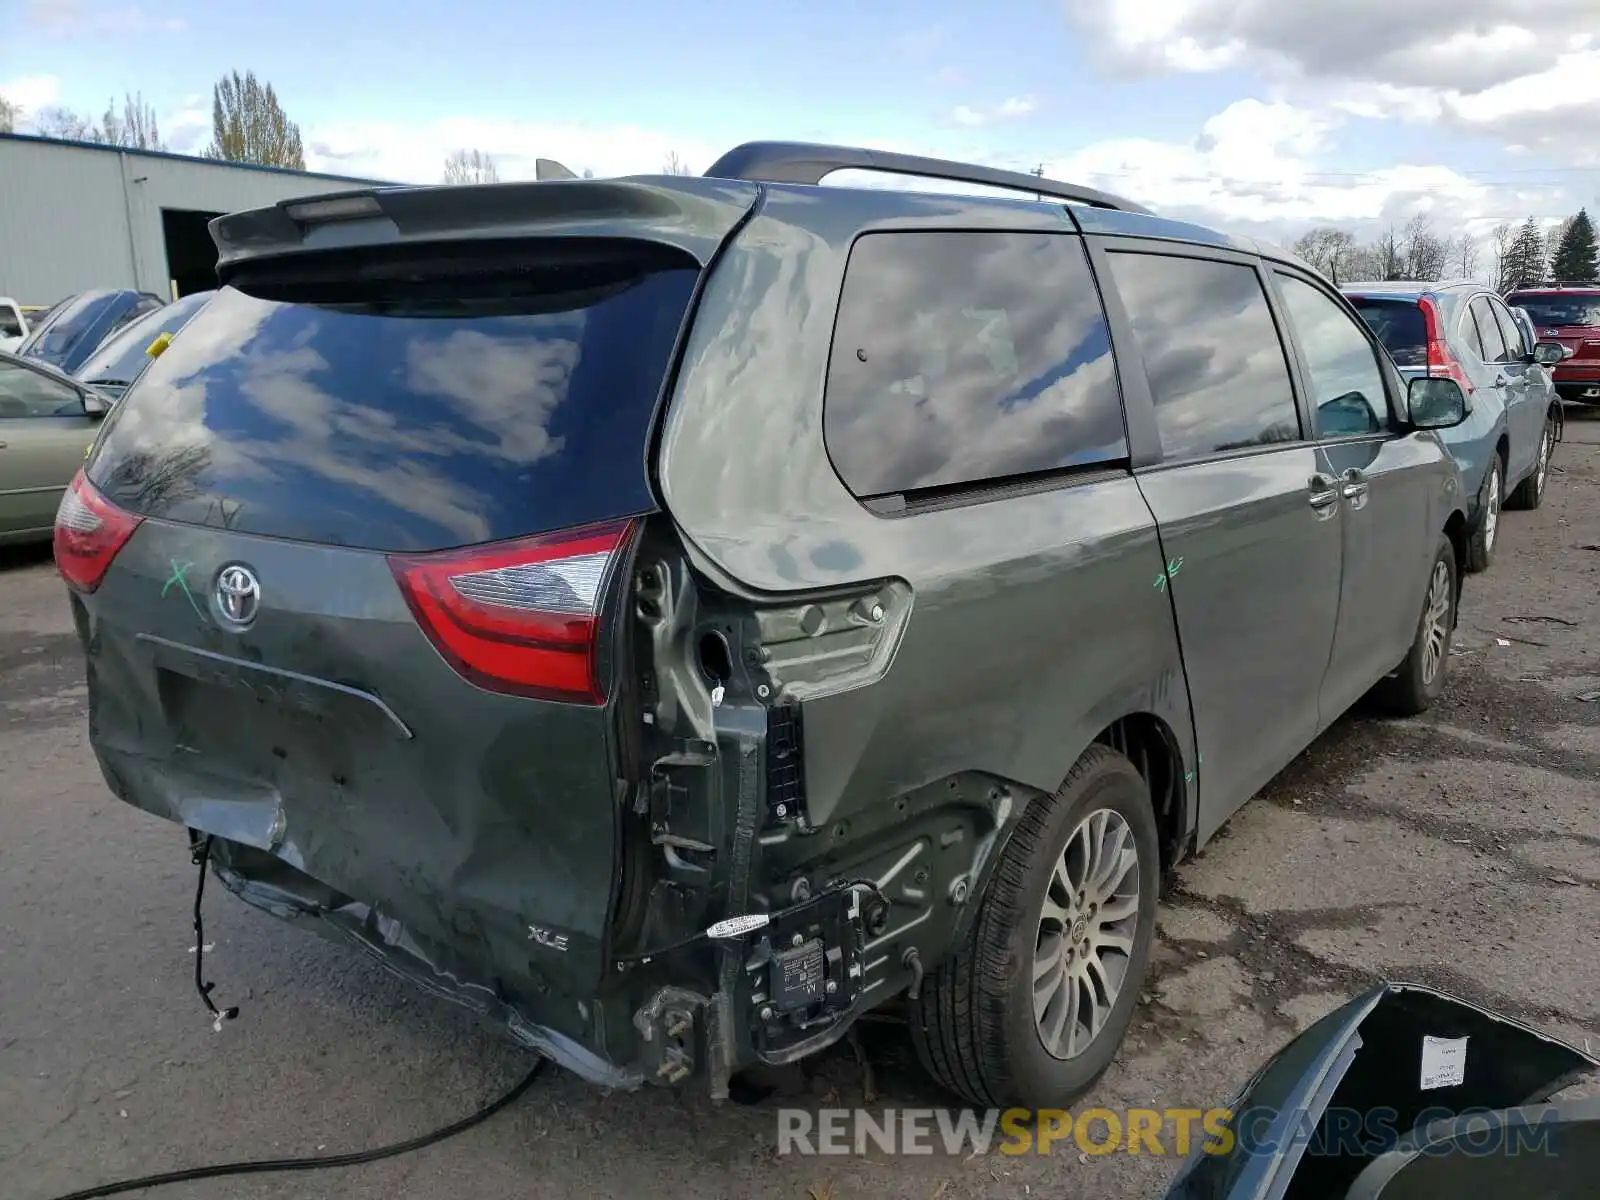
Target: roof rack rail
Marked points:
805	163
1557	284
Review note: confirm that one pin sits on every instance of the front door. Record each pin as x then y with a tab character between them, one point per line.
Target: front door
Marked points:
44	432
1249	518
1526	395
1383	478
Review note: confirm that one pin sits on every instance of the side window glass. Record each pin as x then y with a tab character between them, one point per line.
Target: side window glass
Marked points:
25	393
1211	352
964	357
1468	325
1516	349
1346	381
1494	342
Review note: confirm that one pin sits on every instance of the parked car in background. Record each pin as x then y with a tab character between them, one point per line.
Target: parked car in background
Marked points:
1464	331
77	325
13	325
676	695
47	421
1568	313
123	356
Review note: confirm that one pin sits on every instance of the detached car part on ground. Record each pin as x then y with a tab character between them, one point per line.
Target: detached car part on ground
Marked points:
482	578
1409	1094
1463	331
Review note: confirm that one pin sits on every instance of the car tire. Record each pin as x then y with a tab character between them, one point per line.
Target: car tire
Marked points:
1486	532
974	1023
1419	680
1529	494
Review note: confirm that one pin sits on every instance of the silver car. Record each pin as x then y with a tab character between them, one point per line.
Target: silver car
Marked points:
1464	331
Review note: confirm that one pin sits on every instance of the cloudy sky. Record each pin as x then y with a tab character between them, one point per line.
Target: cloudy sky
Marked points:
1263	116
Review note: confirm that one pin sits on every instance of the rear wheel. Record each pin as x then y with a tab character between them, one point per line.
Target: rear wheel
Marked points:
1529	494
1420	679
1480	547
1029	1010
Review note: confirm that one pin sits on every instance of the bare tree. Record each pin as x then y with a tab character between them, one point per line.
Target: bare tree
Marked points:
675	165
1327	249
63	123
470	166
1426	254
9	113
1464	256
249	125
1502	239
135	127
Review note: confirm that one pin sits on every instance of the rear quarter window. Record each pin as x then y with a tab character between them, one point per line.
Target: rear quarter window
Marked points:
964	358
415	415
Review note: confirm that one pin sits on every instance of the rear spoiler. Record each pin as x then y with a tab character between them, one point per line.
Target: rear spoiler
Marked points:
691	214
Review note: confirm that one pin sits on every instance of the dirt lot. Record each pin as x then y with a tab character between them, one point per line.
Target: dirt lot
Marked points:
1460	850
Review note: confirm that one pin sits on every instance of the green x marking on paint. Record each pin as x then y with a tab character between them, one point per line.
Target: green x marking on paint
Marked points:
1172	570
179	576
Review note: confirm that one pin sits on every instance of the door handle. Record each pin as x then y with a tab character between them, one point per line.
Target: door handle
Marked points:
2	445
1354	484
1324	492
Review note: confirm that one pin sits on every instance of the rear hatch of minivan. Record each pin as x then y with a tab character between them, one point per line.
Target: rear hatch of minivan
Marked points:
347	563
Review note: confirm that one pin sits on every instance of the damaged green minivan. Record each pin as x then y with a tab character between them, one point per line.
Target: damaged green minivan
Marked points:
674	616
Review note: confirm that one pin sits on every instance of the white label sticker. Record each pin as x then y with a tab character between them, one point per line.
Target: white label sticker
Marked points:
1444	1062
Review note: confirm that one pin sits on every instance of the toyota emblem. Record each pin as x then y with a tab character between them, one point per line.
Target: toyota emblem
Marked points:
238	595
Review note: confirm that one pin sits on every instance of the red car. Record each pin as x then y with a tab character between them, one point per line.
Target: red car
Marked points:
1568	313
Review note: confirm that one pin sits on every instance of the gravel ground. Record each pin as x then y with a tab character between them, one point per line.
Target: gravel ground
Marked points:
1458	850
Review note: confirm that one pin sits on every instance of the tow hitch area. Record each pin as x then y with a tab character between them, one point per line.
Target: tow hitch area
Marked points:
804	971
797	991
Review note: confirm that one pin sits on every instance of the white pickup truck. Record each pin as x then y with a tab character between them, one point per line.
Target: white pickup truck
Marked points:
13	325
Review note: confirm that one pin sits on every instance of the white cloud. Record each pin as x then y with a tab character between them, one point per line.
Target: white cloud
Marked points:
1009	109
407	153
70	18
31	92
1525	73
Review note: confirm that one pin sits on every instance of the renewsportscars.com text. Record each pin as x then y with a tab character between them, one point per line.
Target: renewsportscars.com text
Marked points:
1155	1131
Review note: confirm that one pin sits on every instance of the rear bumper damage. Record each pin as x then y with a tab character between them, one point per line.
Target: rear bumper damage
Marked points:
802	968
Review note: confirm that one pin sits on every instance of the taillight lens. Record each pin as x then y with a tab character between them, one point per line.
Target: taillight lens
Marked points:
1442	364
90	530
523	616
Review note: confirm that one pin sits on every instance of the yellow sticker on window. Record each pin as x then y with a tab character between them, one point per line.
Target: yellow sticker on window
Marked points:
157	347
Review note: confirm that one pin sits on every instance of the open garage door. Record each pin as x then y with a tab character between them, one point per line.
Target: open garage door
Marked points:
191	254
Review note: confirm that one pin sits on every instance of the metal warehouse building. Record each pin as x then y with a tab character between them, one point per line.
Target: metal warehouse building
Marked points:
75	216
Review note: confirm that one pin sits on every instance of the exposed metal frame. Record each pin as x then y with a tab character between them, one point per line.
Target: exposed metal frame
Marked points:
808	163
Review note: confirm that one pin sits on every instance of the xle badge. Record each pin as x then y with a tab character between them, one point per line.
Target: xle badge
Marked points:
551	941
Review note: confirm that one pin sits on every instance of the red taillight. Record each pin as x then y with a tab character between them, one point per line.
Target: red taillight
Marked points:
90	530
520	617
1441	363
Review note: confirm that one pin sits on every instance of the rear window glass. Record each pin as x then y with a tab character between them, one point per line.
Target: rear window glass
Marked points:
417	414
1559	310
1400	326
965	357
66	327
10	323
120	358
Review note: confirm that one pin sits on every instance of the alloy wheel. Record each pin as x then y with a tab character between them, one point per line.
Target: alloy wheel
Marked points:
1085	937
1543	471
1491	507
1436	623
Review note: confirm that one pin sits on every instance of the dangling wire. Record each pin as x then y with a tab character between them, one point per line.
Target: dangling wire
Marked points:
201	856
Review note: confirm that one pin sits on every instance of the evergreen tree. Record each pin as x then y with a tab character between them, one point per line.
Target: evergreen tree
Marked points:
1577	257
1525	265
